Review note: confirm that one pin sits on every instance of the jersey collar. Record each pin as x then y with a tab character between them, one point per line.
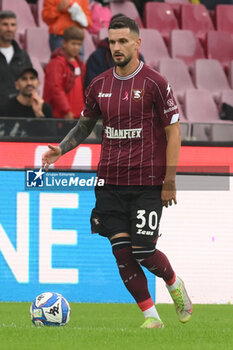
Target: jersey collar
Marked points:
128	76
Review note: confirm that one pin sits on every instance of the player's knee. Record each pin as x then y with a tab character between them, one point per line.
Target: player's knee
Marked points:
121	248
143	253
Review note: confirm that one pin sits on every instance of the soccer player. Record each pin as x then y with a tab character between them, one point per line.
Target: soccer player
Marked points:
140	150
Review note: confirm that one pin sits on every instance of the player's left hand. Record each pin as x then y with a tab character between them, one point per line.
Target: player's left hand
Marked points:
168	194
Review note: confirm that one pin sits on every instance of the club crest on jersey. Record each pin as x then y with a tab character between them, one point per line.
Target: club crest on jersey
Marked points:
137	94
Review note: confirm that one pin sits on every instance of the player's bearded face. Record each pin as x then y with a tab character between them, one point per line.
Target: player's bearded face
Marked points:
121	61
123	45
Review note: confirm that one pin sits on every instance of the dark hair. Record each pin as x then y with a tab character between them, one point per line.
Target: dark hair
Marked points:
7	14
116	16
124	22
73	33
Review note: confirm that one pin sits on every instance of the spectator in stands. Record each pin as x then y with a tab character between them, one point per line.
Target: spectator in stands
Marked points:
100	15
101	59
98	62
61	14
64	77
27	104
12	58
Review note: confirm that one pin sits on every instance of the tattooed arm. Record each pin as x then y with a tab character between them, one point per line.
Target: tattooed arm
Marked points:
76	136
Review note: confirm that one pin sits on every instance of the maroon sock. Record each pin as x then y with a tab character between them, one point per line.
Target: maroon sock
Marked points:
132	274
159	265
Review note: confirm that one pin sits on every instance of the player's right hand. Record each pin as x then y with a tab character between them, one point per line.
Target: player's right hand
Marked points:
50	156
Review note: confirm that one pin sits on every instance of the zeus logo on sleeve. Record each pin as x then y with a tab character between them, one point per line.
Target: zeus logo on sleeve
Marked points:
112	133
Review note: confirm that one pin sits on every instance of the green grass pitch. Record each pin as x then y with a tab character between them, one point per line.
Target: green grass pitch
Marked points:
116	326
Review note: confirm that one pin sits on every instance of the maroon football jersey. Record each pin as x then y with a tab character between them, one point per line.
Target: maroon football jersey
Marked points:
135	110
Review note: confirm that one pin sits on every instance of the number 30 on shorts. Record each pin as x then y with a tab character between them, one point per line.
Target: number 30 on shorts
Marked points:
151	220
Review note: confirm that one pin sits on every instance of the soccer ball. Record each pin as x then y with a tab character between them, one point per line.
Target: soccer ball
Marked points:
50	309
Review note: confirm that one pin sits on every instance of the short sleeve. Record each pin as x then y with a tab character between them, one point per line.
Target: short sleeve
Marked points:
91	108
165	103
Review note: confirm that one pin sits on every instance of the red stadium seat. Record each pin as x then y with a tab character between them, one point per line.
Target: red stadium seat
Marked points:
20	39
40	21
176	72
199	106
103	33
227	97
153	47
220	47
127	8
160	16
185	46
89	45
177	1
209	75
181	112
36	35
36	64
24	15
224	18
176	5
197	19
